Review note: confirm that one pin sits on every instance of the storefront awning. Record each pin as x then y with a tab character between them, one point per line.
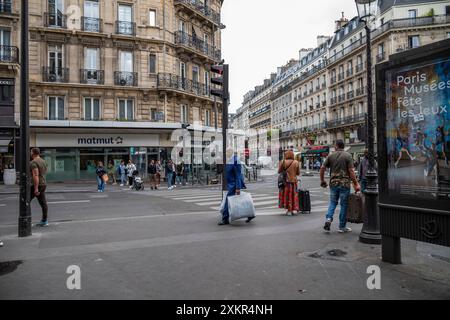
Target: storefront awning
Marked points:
356	149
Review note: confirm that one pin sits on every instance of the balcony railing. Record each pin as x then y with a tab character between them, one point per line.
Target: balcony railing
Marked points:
380	57
171	81
55	20
341	76
317	87
324	103
333	80
333	100
197	44
126	28
349	72
91	24
346	120
411	22
360	91
350	95
342	98
9	54
360	67
6	6
90	76
50	74
122	78
199	7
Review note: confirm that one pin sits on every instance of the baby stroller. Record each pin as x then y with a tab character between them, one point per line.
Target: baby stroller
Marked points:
138	183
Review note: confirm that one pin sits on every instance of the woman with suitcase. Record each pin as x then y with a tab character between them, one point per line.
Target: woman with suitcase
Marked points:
289	170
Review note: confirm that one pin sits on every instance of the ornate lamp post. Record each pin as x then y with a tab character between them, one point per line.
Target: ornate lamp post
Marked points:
370	233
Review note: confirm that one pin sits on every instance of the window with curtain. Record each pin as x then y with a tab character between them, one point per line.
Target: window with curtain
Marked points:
91	109
56	108
126	109
152	18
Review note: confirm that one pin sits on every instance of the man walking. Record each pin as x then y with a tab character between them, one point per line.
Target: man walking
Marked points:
38	168
341	166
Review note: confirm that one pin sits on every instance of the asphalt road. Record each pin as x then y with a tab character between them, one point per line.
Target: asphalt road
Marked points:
167	245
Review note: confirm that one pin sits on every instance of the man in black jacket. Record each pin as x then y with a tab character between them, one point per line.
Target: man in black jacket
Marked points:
151	170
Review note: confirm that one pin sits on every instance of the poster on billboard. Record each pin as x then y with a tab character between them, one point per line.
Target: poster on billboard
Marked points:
417	131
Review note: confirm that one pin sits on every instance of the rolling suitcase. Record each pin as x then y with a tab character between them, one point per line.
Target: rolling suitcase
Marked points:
355	208
304	201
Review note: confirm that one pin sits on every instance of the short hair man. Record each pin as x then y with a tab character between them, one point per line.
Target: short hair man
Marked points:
38	168
342	174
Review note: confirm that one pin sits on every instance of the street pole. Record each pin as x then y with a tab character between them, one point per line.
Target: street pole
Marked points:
225	100
370	232
24	207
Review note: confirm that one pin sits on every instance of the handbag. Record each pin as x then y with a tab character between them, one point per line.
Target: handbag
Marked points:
105	178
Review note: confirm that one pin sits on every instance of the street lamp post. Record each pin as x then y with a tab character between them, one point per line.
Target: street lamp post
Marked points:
370	233
24	206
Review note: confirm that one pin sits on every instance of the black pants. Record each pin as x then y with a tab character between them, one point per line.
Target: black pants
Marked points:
41	199
130	181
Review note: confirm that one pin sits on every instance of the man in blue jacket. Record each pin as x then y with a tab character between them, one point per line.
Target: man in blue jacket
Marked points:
235	183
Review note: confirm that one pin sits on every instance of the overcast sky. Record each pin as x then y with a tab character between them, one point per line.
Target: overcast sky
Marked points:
261	35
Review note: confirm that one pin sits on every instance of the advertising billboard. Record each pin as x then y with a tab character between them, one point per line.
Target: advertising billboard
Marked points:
417	133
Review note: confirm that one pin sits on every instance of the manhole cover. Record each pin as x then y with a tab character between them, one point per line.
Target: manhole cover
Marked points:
9	266
336	253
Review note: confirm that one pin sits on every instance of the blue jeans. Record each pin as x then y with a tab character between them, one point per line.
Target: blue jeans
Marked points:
339	194
226	212
363	183
100	184
123	179
169	178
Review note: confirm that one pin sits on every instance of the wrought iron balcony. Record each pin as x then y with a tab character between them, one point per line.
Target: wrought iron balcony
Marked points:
90	76
9	54
333	80
344	121
126	28
341	76
349	72
324	103
380	57
122	78
50	74
184	39
55	20
333	100
360	67
342	98
6	6
360	91
198	7
350	95
171	81
91	24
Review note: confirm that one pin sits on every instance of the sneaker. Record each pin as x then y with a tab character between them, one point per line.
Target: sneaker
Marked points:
42	224
344	230
1	244
223	223
327	226
121	185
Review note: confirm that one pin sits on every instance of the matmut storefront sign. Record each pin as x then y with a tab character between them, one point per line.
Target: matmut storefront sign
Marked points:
97	140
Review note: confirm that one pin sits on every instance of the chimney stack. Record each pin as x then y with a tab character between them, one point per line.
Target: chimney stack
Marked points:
341	22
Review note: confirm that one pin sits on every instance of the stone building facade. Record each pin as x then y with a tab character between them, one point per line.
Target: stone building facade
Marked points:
131	70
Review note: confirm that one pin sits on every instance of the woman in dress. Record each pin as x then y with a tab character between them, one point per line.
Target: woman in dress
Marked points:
288	196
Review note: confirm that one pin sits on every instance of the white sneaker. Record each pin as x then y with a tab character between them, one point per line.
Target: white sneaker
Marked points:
1	244
345	230
121	185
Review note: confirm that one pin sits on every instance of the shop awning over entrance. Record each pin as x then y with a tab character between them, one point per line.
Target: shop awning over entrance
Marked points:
356	149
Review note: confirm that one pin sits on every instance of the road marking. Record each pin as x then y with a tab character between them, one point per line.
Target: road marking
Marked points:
68	202
2	205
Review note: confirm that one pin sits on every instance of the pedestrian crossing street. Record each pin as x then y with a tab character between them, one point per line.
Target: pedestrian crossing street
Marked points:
210	199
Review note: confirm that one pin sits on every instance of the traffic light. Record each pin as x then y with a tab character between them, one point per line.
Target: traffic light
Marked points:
220	79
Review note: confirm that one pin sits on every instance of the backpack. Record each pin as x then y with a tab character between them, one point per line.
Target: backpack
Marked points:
282	177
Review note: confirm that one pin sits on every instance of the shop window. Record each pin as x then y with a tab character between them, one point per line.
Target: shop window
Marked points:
56	108
91	109
126	110
6	92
